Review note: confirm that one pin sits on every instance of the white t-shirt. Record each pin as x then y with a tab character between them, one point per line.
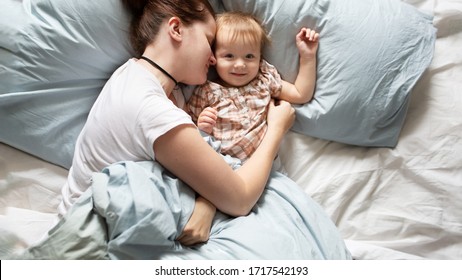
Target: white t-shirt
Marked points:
131	112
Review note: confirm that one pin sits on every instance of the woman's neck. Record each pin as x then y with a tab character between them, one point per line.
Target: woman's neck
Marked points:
167	83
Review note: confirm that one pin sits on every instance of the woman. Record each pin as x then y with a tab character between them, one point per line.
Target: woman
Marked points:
136	118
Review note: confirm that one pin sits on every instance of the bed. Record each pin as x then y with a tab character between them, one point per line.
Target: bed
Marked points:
383	160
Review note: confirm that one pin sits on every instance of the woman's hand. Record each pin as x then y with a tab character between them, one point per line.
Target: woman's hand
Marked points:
197	230
207	120
281	116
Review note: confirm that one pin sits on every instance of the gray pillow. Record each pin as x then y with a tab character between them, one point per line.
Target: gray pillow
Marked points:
55	58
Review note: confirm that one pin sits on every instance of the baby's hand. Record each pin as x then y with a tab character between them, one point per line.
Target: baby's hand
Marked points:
207	119
307	42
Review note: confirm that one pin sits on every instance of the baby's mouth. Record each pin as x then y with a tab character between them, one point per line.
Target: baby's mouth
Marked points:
238	74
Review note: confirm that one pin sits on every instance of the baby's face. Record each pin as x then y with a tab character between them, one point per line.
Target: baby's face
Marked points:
237	63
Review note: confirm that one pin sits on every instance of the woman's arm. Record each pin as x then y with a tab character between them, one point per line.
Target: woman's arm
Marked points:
302	90
184	152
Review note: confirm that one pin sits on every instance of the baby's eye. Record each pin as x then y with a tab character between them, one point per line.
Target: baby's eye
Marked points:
229	55
250	56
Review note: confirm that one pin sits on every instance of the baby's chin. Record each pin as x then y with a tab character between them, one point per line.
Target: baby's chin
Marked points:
234	84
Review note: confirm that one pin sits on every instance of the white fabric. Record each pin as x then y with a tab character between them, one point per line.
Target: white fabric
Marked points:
131	112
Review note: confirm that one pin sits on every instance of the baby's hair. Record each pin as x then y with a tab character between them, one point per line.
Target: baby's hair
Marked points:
243	26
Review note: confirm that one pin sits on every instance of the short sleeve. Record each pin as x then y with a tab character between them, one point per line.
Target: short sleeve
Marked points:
269	77
158	116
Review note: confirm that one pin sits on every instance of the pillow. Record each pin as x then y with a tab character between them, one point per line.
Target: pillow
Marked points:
55	55
371	53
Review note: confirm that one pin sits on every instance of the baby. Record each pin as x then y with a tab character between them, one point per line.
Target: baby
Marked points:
233	107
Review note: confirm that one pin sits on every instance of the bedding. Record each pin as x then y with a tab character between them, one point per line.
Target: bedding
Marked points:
55	57
399	203
140	209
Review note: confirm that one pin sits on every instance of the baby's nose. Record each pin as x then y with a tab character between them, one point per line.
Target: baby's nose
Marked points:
239	64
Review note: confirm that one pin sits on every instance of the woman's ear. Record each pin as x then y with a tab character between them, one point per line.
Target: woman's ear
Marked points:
175	28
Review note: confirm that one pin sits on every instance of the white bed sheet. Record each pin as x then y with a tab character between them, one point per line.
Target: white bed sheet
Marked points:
29	196
401	203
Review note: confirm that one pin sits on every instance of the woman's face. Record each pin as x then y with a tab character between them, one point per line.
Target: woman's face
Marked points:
199	52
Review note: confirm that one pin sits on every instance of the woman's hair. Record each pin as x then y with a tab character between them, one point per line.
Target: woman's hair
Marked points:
243	27
148	15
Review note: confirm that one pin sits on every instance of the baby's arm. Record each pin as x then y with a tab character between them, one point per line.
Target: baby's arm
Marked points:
197	229
302	90
207	120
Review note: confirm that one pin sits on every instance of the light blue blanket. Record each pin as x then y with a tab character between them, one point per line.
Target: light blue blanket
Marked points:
137	210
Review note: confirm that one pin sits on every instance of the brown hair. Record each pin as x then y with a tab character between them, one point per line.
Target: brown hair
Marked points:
148	15
243	26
